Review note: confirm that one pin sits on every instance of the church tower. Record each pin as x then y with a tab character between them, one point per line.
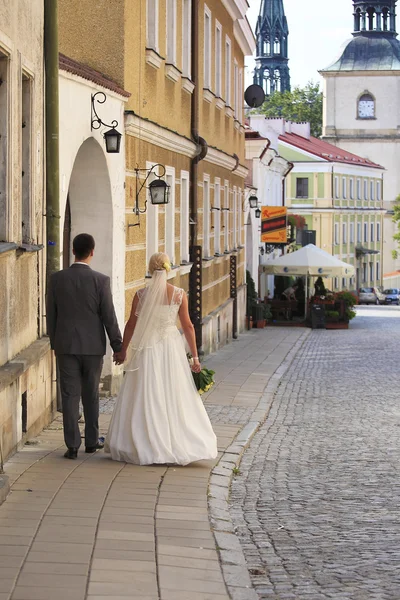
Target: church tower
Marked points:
362	105
272	68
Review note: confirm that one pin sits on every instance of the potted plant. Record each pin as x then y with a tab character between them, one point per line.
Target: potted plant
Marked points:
332	316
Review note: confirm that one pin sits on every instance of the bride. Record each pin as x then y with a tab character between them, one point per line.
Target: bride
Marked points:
159	416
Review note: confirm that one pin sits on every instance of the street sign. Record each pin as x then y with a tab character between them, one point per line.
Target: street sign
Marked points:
274	224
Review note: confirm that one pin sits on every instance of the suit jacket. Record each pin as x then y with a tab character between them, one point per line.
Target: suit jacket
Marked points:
79	309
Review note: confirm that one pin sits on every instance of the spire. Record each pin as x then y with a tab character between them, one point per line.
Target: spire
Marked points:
272	68
375	18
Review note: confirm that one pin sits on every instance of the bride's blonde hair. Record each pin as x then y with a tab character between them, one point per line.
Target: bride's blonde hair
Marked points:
158	262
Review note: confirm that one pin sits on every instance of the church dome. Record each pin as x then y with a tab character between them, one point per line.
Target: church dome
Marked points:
368	53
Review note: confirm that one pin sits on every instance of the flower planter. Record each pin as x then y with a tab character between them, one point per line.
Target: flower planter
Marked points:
337	325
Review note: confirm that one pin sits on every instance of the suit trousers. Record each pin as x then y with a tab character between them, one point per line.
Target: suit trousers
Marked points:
80	377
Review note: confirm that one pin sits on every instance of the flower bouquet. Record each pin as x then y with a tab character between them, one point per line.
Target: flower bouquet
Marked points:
203	380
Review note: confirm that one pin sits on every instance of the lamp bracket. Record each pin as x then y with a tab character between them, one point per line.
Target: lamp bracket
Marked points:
96	122
137	210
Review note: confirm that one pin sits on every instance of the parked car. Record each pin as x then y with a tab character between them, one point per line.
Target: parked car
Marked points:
370	295
392	296
380	294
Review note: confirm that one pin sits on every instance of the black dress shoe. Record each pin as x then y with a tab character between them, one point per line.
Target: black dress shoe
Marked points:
91	449
71	453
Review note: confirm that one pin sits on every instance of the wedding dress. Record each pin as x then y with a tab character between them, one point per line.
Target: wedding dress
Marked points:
159	416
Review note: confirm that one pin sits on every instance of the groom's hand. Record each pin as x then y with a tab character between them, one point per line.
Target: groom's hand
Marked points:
119	357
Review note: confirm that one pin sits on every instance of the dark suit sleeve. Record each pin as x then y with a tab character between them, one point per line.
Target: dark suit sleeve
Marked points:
51	312
109	317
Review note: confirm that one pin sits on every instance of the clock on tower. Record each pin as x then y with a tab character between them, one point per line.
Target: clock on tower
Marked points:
366	107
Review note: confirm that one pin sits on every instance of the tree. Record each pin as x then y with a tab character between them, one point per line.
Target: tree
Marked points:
299	105
396	219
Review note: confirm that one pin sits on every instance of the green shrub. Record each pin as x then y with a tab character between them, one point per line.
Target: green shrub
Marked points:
332	314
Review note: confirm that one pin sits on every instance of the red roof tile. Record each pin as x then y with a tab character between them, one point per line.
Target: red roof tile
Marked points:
76	68
326	151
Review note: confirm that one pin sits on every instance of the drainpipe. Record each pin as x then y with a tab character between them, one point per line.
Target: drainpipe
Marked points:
52	137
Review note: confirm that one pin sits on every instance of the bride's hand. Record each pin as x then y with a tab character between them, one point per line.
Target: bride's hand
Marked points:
196	366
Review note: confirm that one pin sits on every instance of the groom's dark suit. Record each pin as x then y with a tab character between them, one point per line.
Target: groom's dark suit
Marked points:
79	309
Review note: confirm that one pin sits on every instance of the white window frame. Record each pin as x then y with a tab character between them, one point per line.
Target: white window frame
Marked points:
336	234
152	20
372	190
226	215
187	38
364	272
378	271
351	189
336	187
378	191
359	232
228	71
217	216
378	232
170	215
171	32
152	239
365	189
351	233
359	189
218	59
235	87
206	216
365	231
371	271
27	209
372	232
344	188
207	47
234	224
184	216
344	233
336	282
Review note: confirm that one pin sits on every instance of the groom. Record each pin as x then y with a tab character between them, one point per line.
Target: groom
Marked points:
79	308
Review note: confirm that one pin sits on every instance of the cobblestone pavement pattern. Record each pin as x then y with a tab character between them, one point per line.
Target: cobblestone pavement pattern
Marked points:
316	506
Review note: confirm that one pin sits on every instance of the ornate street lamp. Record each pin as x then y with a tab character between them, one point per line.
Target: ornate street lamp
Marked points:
257	213
112	137
158	190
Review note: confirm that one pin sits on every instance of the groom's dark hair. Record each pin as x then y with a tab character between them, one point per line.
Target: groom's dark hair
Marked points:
83	244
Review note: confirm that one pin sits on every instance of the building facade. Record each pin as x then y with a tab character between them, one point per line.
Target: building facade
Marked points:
340	196
362	102
182	62
27	390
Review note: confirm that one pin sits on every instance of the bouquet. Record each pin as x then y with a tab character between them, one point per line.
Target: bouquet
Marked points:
203	380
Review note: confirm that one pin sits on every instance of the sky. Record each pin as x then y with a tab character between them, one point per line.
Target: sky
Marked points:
317	31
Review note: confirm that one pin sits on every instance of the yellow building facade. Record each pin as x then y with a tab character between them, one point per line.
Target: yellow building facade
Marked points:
182	61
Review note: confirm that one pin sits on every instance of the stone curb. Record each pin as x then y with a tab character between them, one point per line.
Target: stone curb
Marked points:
4	488
233	562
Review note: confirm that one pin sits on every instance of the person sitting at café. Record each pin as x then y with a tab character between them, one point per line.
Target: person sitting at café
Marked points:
290	293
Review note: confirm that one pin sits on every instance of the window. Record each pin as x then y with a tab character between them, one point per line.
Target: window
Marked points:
336	187
359	238
217	217
218	60
302	187
344	281
206	216
240	96
152	24
372	239
365	189
378	271
358	189
371	272
344	188
365	232
187	38
351	233
351	189
5	217
228	61
170	215
364	272
344	233
336	282
336	234
207	48
184	217
26	184
372	190
171	31
378	191
378	232
226	216
236	88
234	218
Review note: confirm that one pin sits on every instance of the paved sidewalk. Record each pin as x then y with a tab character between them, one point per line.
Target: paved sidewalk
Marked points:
94	529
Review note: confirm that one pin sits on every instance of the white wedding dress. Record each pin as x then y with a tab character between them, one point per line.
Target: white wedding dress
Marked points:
159	416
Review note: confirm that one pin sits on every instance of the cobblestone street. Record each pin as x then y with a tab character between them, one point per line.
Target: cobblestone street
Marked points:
316	504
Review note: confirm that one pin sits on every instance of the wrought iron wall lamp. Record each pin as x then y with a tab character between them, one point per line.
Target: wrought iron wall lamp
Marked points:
112	136
158	189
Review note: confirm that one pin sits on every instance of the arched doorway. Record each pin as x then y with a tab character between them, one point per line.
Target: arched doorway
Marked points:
89	205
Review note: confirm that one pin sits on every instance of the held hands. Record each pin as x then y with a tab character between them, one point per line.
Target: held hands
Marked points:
195	365
119	357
